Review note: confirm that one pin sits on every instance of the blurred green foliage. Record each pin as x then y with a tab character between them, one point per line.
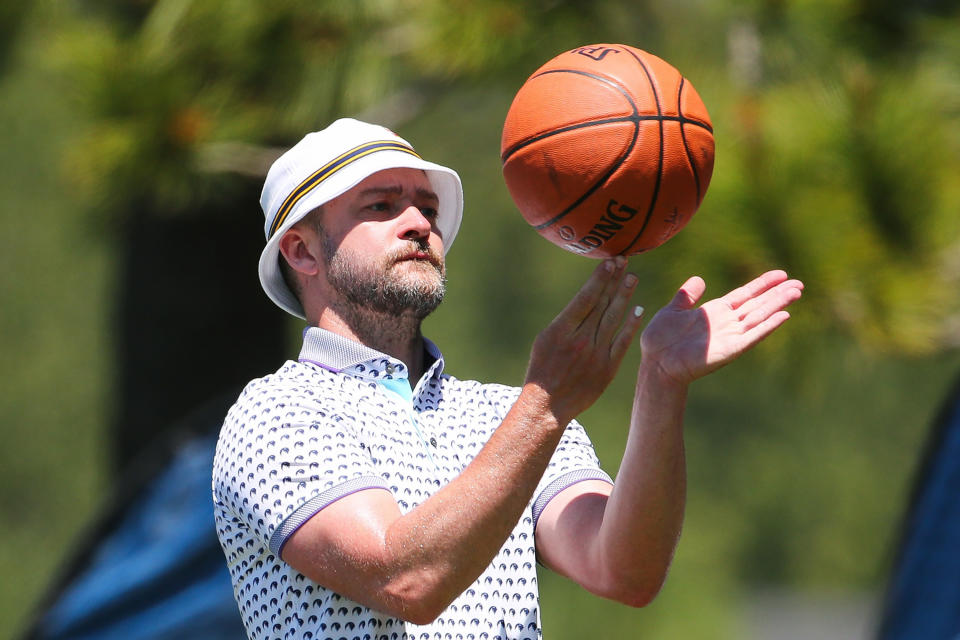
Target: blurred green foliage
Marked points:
834	161
838	133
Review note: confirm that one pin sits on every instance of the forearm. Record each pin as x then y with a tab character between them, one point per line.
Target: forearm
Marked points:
644	513
435	551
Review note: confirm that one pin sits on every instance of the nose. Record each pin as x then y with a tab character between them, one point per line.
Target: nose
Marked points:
412	224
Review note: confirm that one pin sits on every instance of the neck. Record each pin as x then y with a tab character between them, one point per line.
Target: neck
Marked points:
395	335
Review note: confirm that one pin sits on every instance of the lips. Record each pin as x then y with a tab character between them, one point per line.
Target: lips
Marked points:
418	255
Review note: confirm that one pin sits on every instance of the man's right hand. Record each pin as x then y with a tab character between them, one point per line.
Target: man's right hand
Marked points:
577	356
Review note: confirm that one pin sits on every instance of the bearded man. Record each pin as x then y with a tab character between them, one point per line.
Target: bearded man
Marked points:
363	492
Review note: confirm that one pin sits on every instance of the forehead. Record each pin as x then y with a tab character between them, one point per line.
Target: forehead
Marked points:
399	181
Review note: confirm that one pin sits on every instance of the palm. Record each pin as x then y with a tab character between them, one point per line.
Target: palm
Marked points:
688	342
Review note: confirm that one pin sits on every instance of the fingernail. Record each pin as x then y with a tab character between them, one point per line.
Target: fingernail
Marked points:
608	265
630	280
621	261
637	311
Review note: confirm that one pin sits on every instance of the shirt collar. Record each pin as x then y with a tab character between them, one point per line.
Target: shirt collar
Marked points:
335	353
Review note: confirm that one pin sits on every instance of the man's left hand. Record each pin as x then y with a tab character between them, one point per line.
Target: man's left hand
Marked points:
687	342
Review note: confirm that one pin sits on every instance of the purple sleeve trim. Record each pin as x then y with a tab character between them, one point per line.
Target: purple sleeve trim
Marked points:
566	480
314	505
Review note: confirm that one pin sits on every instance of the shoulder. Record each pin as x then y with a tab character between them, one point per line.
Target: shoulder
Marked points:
488	392
292	375
293	384
297	392
283	412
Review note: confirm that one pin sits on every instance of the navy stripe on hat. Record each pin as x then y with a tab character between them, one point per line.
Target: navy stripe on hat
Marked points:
329	169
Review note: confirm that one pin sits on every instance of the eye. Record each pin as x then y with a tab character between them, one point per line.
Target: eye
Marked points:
381	205
430	213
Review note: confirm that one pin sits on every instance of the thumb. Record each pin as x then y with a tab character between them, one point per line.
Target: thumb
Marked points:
689	293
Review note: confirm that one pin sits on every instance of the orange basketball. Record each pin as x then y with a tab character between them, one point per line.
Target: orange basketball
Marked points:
607	150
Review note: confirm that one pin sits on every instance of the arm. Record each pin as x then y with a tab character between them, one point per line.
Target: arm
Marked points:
618	541
413	565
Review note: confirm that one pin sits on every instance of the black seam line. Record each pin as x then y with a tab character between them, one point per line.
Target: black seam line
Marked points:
656	187
686	147
616	165
581	125
599	183
329	169
607	81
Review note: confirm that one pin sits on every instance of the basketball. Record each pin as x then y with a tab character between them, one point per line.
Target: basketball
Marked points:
607	150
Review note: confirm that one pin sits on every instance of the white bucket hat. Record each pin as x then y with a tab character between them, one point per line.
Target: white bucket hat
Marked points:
326	164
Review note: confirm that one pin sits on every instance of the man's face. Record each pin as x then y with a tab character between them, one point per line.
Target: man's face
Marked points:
381	246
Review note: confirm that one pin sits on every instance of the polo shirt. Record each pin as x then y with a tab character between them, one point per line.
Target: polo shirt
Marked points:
342	419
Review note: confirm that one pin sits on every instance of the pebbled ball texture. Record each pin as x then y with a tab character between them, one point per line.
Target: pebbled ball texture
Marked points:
607	150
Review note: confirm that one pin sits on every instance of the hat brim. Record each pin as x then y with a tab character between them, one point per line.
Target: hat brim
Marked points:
445	182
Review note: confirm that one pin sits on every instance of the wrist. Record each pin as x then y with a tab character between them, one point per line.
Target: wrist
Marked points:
651	376
541	406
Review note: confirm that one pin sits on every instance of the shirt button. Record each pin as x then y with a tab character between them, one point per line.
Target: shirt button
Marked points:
390	369
433	442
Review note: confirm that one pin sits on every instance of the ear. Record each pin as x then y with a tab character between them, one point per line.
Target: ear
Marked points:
301	251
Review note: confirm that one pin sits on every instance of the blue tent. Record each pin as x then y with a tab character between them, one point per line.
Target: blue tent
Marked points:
923	595
152	567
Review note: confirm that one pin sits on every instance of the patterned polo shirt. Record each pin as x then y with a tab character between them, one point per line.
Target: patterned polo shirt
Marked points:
342	419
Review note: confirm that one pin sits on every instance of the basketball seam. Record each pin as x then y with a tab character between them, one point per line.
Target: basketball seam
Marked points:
683	137
635	118
616	165
590	123
696	123
656	186
609	81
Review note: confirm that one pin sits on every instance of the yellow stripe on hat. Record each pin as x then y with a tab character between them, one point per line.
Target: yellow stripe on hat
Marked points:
327	170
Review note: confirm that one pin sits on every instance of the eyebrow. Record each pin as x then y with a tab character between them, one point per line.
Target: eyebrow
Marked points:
422	193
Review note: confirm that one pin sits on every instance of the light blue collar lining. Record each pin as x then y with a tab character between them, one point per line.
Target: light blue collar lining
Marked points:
400	386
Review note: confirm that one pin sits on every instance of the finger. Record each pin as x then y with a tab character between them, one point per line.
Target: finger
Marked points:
613	315
589	295
765	328
779	299
624	337
762	300
607	295
690	293
754	288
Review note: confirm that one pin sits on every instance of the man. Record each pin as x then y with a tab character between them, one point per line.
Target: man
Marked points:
363	493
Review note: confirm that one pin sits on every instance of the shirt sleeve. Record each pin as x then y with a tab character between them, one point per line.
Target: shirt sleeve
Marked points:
285	453
574	460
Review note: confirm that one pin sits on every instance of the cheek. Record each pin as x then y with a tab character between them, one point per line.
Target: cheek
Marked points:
436	242
365	235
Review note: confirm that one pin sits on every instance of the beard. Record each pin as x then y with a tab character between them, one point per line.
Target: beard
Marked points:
388	284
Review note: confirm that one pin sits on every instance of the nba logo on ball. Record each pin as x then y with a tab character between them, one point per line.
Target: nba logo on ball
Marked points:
607	150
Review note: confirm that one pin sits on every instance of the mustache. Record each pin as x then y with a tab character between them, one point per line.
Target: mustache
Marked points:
416	246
